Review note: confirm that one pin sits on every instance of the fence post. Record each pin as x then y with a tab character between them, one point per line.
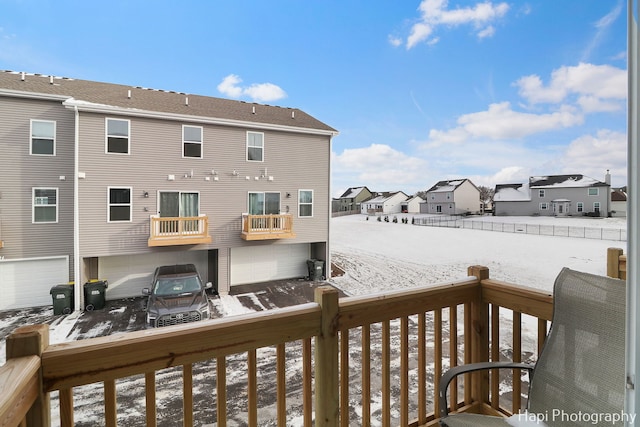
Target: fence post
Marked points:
326	372
613	262
480	338
29	341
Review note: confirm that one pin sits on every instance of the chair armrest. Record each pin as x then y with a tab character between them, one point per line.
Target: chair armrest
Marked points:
448	376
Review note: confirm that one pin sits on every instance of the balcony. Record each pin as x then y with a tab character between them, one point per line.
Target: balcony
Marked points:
382	354
190	230
267	227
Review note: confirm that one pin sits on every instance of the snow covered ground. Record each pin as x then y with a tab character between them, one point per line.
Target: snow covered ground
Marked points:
376	256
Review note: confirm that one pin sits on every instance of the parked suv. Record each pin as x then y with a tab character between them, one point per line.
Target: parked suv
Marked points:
176	296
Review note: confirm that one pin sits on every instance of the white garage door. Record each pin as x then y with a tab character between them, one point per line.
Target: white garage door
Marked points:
27	282
253	264
128	274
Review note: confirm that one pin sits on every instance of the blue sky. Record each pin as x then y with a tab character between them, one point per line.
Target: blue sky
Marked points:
420	91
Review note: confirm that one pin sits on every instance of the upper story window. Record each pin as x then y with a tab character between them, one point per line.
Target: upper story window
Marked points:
117	139
593	191
305	203
540	193
192	141
45	205
255	146
43	137
119	204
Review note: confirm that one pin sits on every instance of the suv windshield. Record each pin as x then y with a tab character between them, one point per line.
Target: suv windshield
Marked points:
177	286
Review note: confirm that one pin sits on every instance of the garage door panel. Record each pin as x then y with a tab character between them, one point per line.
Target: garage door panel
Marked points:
27	282
129	274
253	264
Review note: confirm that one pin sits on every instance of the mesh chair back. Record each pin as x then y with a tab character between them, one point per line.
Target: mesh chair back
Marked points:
581	369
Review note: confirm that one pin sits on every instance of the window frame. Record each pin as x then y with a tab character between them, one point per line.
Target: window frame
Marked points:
543	206
597	207
579	207
541	193
254	147
193	142
34	205
109	204
301	204
597	191
31	138
107	136
264	202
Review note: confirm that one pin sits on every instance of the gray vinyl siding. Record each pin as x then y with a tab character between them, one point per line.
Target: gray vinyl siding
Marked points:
20	172
575	195
296	161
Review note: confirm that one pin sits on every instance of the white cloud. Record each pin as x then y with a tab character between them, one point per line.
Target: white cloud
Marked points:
395	41
592	155
261	92
378	166
500	122
601	81
435	13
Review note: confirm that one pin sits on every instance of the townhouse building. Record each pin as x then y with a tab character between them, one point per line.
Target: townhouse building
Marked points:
108	181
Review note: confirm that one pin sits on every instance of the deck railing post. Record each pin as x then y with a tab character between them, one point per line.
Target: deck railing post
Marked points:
613	262
326	359
480	338
32	340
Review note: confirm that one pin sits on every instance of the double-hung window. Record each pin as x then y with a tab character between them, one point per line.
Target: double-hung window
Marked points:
45	205
305	203
192	141
579	207
255	146
540	193
119	200
43	137
544	206
117	138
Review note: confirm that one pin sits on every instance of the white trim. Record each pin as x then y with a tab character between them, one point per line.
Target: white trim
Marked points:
593	188
247	147
106	136
305	204
31	137
34	95
543	206
201	142
65	257
33	205
120	187
108	109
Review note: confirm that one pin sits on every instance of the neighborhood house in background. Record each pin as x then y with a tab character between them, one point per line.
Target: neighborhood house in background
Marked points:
555	195
110	181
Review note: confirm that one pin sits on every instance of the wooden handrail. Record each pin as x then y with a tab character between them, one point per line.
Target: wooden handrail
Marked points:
405	323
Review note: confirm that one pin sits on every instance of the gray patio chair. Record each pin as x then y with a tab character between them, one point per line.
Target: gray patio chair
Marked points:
581	367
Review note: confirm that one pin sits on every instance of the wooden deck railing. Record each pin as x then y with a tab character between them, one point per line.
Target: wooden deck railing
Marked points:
264	227
362	358
169	231
616	263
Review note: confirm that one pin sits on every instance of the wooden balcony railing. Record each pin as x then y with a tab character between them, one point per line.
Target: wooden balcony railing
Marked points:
189	230
616	263
265	227
361	358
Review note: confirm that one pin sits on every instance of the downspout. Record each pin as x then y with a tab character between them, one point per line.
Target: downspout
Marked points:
76	214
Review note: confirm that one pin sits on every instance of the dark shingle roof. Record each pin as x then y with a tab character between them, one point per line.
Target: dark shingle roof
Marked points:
576	180
160	101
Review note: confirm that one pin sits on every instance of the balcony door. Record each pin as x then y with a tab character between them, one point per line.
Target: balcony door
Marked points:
174	204
264	203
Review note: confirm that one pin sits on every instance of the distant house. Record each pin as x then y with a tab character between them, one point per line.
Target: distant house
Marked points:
453	197
412	204
619	202
351	199
555	195
384	203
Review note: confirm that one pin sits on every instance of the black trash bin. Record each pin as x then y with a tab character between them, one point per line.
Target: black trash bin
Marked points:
315	267
62	296
94	294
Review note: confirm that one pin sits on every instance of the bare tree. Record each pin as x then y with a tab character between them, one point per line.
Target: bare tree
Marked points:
486	196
